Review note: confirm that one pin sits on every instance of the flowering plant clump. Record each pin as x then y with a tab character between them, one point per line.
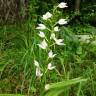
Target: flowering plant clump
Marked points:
48	34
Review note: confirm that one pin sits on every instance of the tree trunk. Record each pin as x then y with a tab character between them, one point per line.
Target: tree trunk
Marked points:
77	6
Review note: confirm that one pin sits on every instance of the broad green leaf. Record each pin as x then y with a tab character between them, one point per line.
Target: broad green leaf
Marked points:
66	83
55	89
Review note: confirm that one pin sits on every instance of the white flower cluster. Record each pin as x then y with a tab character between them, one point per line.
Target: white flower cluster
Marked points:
44	43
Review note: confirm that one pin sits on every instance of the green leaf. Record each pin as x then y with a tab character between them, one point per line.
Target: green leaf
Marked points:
55	89
66	83
11	95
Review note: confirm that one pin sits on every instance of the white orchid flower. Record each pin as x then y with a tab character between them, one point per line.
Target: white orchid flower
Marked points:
51	55
36	63
43	44
47	16
50	67
52	36
62	5
47	86
56	29
41	34
38	72
62	21
59	41
41	26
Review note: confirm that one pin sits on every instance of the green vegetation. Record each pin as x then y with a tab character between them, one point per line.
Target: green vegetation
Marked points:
57	58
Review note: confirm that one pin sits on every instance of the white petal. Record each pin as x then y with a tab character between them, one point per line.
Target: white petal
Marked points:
43	44
38	72
41	26
62	5
62	21
47	86
56	28
41	34
52	36
44	17
47	16
36	63
50	67
59	41
51	55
